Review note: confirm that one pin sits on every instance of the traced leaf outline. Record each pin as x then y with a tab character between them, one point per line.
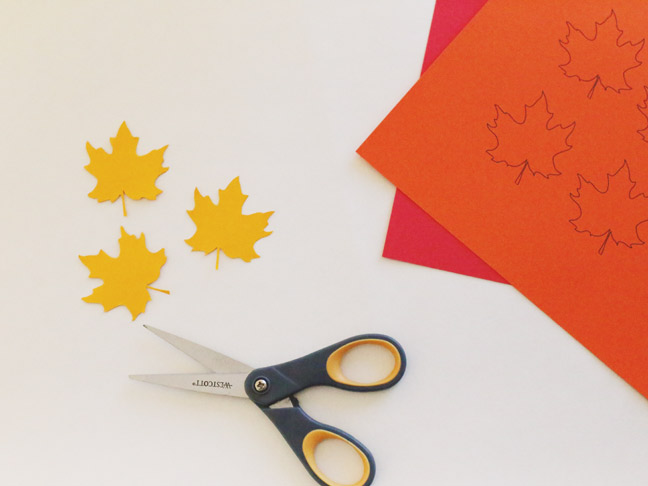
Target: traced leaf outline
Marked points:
608	234
643	108
526	164
597	78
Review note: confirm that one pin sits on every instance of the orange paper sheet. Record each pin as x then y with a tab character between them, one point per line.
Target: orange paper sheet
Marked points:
528	140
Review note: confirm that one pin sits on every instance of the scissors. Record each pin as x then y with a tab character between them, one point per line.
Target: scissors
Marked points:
272	389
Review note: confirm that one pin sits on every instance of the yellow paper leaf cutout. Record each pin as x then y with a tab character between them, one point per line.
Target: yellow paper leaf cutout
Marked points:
123	172
223	226
127	277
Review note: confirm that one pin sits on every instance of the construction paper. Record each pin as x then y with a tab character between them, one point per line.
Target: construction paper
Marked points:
525	140
124	173
223	226
127	277
413	236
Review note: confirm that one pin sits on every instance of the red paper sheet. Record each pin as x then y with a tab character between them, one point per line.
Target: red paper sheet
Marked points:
527	139
413	235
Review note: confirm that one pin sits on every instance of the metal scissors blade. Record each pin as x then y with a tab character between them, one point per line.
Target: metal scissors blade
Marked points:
231	384
209	358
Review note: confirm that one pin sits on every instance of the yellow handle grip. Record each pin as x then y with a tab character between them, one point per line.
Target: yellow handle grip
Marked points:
334	363
315	437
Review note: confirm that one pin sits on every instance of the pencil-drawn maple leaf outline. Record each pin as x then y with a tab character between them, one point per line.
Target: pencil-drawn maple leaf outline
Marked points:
611	213
124	173
643	108
601	59
532	143
223	226
127	277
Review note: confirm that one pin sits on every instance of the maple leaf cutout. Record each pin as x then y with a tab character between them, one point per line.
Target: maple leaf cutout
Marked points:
223	226
643	108
611	213
532	143
124	173
602	59
127	277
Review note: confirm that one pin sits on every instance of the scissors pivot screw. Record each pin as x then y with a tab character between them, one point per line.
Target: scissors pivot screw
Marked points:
261	385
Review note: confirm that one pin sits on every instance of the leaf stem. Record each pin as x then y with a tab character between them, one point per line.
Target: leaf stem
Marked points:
591	91
518	179
217	257
607	237
123	197
168	292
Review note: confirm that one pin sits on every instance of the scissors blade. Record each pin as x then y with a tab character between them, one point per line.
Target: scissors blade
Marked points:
230	384
209	358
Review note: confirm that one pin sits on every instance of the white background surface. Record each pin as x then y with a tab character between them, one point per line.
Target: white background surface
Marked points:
280	93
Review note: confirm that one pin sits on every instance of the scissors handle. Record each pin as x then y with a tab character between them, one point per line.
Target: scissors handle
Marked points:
266	386
303	434
321	368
